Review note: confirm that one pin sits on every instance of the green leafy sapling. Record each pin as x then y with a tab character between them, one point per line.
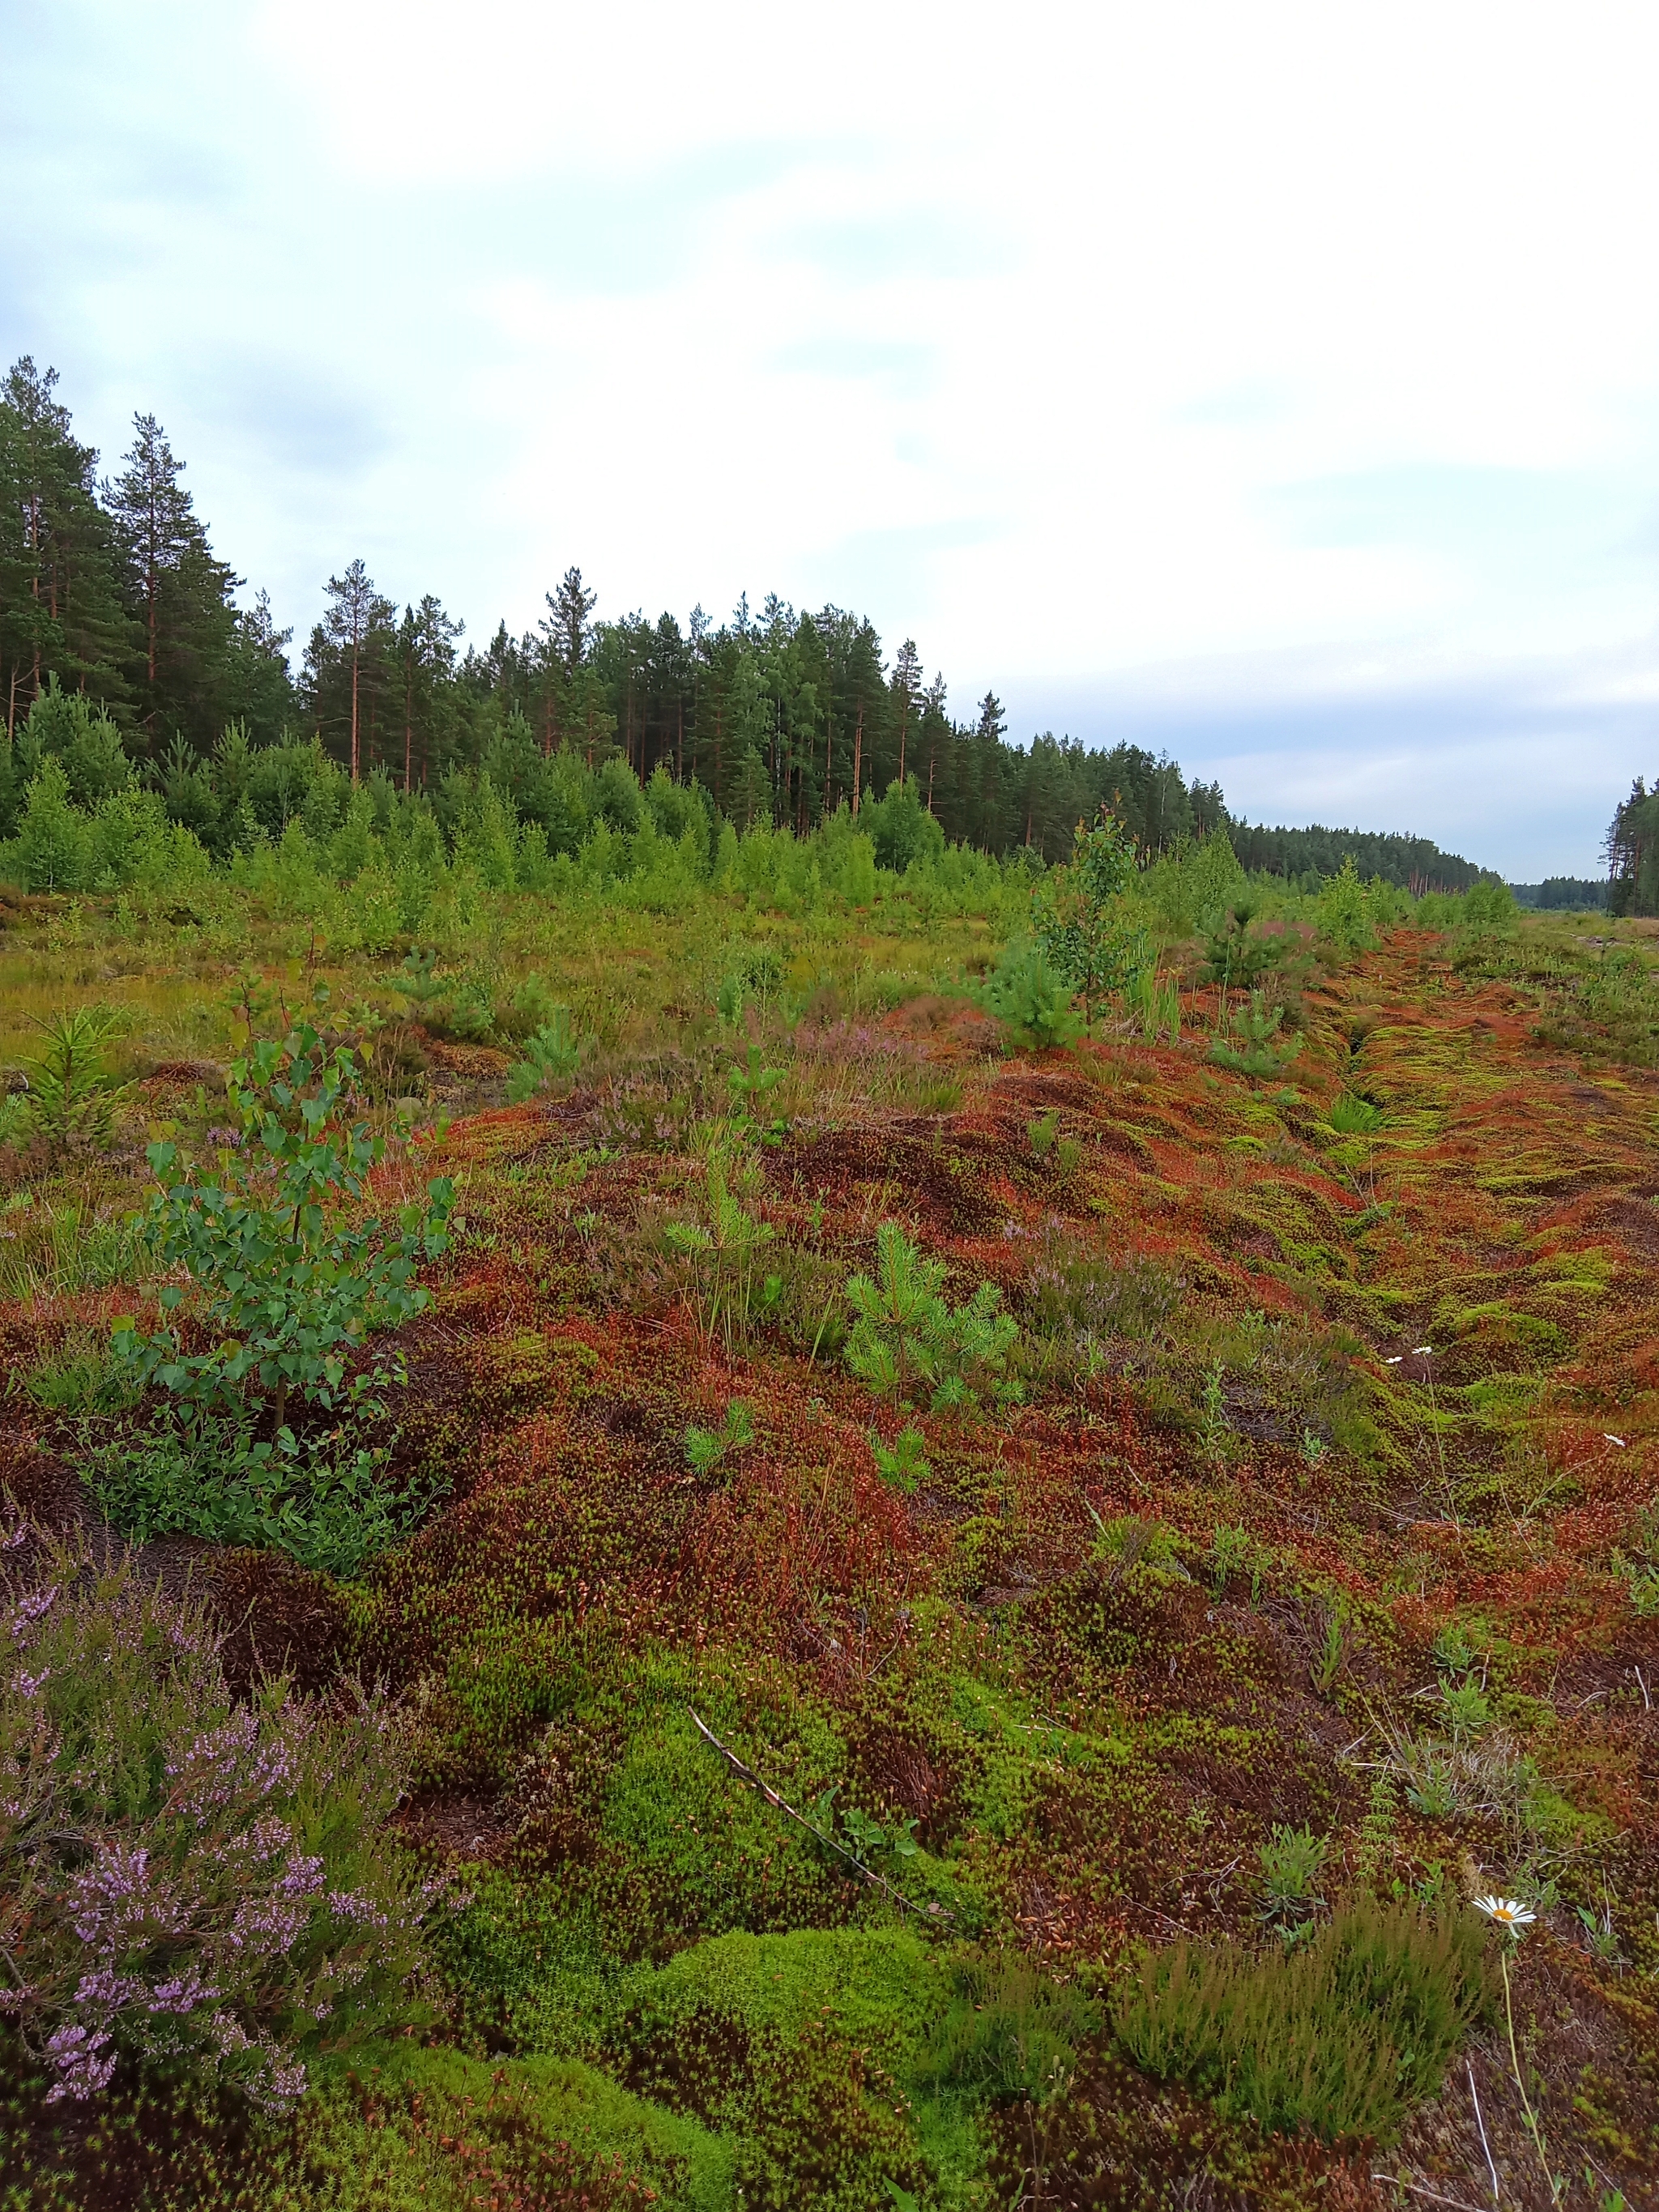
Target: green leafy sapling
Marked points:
1082	916
281	1284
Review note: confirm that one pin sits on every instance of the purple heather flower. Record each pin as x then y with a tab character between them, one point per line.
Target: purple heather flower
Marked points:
182	1994
82	2066
30	1607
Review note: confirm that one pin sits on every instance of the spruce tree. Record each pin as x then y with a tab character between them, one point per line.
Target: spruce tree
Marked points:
426	661
176	592
907	688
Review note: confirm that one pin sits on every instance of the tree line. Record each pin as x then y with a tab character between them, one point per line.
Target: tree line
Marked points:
110	587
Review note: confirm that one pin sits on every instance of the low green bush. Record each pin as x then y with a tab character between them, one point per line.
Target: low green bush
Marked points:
1340	2036
321	1497
1009	2031
285	1285
1026	990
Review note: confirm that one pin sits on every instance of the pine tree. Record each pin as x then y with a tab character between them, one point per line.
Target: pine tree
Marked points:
426	661
178	594
990	757
258	689
356	621
568	627
60	609
907	687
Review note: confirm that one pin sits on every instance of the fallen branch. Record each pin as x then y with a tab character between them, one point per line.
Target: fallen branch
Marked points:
748	1775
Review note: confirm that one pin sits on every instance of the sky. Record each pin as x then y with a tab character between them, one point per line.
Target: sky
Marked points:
1277	384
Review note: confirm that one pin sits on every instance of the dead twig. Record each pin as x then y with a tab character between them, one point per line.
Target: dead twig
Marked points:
747	1774
1497	2194
1433	2195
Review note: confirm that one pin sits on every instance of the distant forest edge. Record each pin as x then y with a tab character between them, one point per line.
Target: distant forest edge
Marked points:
109	588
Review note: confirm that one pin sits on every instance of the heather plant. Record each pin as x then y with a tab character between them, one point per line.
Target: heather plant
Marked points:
1073	1292
186	1879
1341	2035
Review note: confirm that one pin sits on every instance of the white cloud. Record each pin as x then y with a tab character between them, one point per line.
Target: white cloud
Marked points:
1107	350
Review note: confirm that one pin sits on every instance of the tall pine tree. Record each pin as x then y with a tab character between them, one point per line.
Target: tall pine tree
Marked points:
60	607
177	595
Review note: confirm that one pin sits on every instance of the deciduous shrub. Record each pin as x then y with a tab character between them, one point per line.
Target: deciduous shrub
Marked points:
285	1288
1082	919
185	1878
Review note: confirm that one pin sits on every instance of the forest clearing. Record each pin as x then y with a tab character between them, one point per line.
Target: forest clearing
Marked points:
888	1600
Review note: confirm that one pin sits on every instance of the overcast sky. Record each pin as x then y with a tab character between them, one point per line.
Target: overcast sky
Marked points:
1273	382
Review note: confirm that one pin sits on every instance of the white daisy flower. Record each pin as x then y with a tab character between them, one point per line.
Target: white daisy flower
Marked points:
1507	1911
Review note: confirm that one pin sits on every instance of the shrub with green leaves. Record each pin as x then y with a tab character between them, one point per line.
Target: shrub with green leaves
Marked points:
1082	917
905	1336
1340	2036
322	1497
187	1878
285	1287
